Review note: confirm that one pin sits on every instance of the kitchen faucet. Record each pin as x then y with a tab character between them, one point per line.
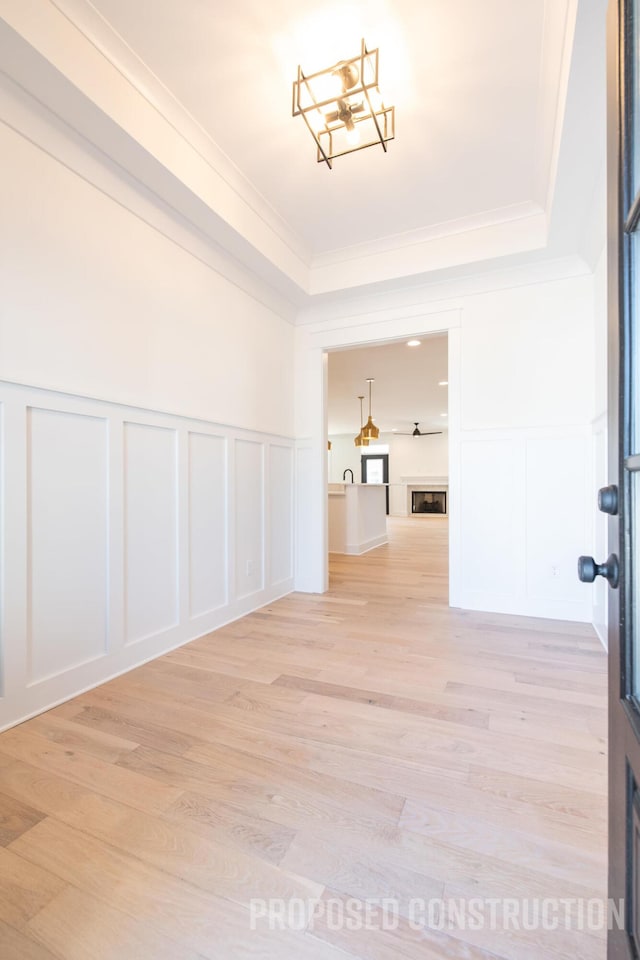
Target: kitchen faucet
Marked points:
348	470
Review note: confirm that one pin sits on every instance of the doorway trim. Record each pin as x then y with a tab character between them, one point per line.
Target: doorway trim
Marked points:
314	343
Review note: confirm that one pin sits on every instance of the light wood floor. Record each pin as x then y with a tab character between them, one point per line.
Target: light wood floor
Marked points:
368	743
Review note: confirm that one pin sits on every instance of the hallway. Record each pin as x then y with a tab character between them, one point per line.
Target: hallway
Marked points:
369	743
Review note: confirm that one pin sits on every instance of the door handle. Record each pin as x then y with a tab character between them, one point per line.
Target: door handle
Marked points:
588	570
608	500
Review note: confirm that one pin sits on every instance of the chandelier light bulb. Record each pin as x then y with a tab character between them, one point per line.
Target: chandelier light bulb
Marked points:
353	136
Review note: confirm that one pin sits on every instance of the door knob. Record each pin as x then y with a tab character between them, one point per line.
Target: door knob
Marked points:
588	570
608	500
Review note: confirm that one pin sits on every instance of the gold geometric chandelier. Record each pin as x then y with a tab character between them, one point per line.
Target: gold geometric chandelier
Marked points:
343	108
360	440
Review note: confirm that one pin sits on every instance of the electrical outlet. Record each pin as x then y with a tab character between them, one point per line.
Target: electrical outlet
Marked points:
252	567
554	570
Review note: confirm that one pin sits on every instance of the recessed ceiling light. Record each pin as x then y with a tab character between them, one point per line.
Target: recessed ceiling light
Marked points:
443	414
394	430
443	383
413	343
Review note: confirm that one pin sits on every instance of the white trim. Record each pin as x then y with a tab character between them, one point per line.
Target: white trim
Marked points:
413	299
266	601
313	568
553	89
523	606
602	636
356	550
415	238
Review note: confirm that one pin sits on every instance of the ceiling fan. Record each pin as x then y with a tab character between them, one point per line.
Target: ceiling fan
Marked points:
419	433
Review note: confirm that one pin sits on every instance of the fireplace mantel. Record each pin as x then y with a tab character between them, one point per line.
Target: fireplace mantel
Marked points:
400	493
430	481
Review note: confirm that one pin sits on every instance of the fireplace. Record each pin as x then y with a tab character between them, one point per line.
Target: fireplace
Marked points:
429	501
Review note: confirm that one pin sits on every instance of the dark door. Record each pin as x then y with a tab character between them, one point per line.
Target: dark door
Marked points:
622	499
375	469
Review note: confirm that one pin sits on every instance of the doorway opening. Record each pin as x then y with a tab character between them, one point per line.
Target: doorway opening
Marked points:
405	468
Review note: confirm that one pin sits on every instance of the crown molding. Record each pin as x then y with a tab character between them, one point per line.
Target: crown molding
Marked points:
69	58
438	231
99	32
354	309
559	30
51	58
523	228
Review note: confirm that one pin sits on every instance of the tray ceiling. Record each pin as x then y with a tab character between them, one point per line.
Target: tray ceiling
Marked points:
500	129
467	80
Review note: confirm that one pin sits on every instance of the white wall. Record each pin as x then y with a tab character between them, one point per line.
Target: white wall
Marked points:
599	444
418	457
521	405
342	456
106	294
525	468
147	398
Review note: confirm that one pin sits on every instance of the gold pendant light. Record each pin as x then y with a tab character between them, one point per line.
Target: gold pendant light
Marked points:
370	431
361	441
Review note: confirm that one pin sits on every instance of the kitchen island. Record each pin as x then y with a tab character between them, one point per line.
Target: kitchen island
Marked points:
357	517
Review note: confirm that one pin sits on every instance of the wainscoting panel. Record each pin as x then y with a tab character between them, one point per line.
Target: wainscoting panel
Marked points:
208	588
249	517
281	512
559	510
126	533
526	510
67	509
151	547
493	516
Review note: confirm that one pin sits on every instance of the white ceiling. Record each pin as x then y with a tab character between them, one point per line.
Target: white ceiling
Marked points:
467	78
406	386
498	160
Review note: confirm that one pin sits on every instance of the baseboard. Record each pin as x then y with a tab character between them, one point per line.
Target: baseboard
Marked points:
356	550
602	635
523	607
228	614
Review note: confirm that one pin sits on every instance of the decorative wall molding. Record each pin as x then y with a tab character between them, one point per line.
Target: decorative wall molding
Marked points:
127	533
555	64
477	239
524	512
412	300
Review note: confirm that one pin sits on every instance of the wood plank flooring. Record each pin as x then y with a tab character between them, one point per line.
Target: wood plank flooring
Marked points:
364	744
